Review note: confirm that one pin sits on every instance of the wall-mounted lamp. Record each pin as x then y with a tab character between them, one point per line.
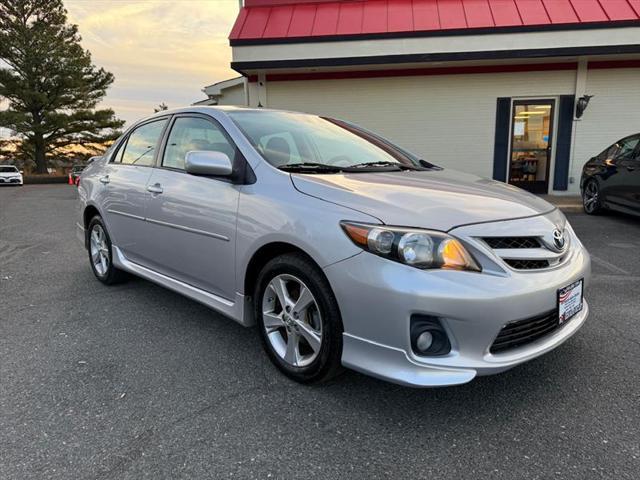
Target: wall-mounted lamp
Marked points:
581	106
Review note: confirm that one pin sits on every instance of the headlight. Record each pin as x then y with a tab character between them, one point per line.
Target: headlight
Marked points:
418	248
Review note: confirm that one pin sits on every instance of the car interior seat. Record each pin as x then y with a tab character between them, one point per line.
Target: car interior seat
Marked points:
277	151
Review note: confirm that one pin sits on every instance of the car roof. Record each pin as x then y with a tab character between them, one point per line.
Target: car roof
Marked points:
208	110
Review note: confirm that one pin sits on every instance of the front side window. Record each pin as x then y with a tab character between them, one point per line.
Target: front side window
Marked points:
289	140
194	134
141	145
624	149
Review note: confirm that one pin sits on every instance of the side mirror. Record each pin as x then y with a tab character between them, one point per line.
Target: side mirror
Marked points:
21	171
207	163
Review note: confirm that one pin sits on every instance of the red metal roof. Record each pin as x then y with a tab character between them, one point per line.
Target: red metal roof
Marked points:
269	20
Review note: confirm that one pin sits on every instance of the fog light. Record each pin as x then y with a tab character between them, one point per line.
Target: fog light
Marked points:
424	341
428	337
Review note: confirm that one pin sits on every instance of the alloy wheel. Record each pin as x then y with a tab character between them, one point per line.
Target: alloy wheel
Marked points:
591	197
99	250
292	320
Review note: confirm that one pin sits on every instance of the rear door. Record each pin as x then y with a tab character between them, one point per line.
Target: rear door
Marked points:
632	187
124	185
191	220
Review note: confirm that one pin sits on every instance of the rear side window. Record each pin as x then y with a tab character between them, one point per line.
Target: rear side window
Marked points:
141	144
194	134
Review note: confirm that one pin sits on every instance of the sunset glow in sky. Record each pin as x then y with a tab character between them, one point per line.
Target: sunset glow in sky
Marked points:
158	50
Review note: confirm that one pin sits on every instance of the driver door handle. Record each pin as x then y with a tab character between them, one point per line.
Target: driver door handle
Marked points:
105	179
156	188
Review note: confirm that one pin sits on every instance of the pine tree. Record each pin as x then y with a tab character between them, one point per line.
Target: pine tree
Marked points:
51	86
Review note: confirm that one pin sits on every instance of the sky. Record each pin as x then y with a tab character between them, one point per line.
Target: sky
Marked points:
158	50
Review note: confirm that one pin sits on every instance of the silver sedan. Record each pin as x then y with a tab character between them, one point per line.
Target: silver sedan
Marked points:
344	249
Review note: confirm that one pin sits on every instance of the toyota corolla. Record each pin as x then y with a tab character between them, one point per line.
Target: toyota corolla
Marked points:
344	249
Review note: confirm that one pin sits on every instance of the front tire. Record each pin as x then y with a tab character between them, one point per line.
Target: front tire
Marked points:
591	198
101	253
299	319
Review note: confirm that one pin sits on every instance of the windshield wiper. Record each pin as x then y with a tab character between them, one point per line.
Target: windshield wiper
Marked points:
310	167
399	165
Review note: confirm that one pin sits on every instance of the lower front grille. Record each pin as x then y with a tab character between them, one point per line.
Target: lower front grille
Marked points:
526	264
522	332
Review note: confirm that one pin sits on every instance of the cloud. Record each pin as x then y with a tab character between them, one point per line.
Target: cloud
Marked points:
158	50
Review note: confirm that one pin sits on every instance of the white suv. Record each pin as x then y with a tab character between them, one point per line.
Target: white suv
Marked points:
9	174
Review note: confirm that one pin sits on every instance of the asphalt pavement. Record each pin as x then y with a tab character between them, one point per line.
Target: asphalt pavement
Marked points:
135	381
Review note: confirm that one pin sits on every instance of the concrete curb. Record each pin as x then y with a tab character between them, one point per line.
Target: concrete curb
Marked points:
571	208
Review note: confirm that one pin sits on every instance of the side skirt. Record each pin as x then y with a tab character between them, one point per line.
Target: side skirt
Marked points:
239	310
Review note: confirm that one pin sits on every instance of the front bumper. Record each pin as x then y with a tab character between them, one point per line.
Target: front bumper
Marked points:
377	298
11	181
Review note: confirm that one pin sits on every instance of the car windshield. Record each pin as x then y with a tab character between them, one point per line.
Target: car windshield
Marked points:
296	141
6	169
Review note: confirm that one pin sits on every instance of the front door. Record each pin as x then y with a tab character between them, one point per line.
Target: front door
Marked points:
191	220
531	140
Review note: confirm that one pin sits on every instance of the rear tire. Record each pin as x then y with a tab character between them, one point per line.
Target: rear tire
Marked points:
591	198
101	253
303	337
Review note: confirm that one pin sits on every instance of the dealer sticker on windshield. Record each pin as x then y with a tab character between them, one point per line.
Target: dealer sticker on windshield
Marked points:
569	301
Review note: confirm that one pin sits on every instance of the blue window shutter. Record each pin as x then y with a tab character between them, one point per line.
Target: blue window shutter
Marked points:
501	144
563	142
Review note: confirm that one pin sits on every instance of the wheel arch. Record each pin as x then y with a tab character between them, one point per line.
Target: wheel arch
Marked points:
263	255
89	212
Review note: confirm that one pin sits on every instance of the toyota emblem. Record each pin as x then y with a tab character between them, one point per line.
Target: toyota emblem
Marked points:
558	239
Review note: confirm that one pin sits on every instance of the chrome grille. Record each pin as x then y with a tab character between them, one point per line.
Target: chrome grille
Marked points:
525	252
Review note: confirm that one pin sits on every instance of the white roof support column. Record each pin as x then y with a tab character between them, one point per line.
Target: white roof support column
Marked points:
262	89
245	85
581	89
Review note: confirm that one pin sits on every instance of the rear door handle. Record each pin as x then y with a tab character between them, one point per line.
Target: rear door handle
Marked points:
156	188
105	179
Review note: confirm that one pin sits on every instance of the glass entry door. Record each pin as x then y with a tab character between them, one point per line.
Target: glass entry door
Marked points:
531	137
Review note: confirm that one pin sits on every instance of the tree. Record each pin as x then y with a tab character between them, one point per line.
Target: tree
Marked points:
51	86
160	108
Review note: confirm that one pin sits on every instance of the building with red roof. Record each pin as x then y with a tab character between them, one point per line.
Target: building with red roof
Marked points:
492	87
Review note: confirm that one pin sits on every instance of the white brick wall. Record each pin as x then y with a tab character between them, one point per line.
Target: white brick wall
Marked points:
613	112
450	119
232	96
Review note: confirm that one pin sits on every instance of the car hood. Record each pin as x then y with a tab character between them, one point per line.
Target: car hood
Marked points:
439	200
9	174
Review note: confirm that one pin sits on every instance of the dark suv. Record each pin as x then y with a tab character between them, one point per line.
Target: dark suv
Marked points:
611	180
